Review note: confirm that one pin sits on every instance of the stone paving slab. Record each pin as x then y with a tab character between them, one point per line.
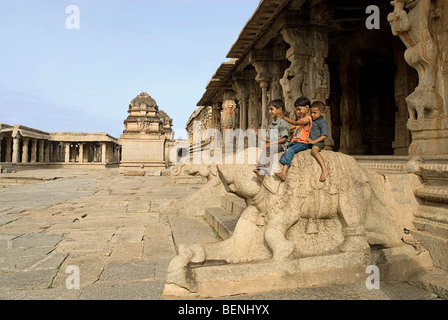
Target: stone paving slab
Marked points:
142	290
36	279
125	271
158	243
36	240
90	265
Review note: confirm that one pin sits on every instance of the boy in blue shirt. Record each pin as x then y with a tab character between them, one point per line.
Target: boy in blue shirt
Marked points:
318	134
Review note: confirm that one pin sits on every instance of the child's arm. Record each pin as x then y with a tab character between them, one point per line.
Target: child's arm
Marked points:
279	141
299	122
321	138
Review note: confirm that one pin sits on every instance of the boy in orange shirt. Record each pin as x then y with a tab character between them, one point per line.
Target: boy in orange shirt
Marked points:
299	141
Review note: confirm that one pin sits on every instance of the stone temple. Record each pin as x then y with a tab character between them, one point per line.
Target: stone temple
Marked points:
146	137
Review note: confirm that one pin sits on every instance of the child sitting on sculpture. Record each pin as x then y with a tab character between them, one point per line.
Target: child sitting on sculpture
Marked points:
302	128
318	134
277	138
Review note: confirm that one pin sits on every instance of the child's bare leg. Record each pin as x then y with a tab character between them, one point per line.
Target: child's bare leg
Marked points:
282	174
315	152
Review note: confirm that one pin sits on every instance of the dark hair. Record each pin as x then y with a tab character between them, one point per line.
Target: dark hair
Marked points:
277	104
302	102
319	105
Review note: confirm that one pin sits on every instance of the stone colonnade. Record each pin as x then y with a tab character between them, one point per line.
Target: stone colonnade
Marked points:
299	56
20	145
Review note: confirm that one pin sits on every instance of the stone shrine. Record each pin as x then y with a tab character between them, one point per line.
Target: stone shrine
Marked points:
144	140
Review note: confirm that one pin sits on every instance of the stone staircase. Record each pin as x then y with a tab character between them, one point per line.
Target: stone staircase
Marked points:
224	218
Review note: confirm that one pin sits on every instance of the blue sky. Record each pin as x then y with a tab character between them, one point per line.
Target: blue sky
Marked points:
56	79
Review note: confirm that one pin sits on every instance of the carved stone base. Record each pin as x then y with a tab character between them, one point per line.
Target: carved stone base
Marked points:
217	280
429	137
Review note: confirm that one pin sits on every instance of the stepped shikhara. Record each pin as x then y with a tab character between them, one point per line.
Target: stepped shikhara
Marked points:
146	133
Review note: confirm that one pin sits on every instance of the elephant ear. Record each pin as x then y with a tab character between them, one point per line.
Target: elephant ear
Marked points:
271	184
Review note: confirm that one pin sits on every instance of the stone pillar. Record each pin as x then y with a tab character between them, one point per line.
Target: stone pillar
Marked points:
264	104
15	146
55	153
242	94
81	153
228	109
254	108
8	150
424	33
51	157
260	60
293	81
47	151
67	152
33	150
41	151
423	28
103	152
25	150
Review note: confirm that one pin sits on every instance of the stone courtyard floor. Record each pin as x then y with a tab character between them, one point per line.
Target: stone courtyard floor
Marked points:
106	228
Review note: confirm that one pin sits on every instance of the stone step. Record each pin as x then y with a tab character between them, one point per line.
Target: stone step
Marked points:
221	220
233	204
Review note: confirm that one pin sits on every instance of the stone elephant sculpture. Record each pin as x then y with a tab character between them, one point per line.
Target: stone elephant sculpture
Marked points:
345	213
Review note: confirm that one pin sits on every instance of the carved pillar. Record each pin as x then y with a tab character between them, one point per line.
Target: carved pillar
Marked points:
263	66
254	108
15	146
228	109
279	65
242	94
25	150
33	150
294	80
423	28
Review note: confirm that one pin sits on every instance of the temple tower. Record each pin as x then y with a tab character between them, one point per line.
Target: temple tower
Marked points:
146	132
